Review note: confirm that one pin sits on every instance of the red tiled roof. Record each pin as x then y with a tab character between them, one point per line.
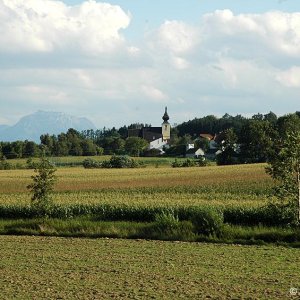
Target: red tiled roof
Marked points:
206	136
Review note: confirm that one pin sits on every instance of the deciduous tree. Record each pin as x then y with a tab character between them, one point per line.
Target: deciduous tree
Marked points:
284	167
42	185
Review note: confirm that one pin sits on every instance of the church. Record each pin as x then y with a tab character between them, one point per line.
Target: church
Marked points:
158	137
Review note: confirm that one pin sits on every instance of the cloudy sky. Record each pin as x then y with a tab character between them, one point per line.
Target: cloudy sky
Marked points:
123	61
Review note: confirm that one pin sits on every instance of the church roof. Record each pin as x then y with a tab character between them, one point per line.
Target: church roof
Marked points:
166	116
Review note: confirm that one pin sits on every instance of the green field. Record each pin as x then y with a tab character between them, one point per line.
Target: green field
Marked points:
76	268
58	268
245	185
72	161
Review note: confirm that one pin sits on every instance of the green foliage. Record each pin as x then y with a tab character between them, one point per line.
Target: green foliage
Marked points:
168	227
89	163
166	220
122	162
42	185
4	164
176	163
135	146
267	215
115	161
284	166
228	155
30	164
256	140
207	220
188	163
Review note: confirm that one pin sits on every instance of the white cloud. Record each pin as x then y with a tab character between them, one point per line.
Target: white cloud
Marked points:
275	33
172	41
177	37
227	63
290	77
153	93
46	26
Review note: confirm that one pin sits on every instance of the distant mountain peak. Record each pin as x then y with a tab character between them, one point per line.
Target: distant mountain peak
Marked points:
32	126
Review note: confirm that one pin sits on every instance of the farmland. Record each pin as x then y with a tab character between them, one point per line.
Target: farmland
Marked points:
151	202
36	267
58	268
245	185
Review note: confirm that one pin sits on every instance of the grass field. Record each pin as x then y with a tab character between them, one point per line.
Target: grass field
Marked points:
70	161
59	268
76	268
229	185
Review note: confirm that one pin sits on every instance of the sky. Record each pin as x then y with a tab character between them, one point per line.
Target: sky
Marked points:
120	62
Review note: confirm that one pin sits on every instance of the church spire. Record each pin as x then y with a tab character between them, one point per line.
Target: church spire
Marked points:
165	116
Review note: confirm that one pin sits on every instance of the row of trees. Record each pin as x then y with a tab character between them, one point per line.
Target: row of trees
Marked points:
244	140
257	140
75	143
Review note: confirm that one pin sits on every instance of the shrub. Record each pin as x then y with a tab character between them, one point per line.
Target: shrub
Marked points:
189	163
202	162
176	164
30	164
115	161
89	163
166	220
120	162
207	220
168	227
4	165
269	215
42	186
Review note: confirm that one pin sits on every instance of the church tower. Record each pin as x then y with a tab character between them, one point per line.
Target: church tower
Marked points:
166	127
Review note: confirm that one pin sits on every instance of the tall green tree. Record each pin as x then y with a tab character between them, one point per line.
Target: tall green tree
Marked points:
228	148
30	149
284	166
42	185
135	146
48	143
256	140
88	148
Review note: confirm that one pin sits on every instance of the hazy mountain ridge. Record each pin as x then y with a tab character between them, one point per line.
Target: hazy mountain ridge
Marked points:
31	127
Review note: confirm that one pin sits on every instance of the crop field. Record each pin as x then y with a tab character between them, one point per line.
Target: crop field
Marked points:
60	268
243	185
77	160
76	268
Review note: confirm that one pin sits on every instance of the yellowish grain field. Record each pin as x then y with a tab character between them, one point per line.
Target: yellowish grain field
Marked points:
226	185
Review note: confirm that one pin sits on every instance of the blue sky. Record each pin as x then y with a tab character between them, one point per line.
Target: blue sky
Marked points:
121	62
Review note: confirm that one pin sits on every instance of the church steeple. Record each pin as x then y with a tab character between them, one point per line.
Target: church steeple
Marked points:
166	116
166	127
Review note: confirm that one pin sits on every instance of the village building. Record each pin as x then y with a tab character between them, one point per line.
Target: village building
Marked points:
158	137
194	153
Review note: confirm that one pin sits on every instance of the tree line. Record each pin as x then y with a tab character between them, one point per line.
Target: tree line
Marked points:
75	143
240	139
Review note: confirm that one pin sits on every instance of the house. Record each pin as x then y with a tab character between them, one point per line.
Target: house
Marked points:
158	137
207	136
214	144
194	153
212	140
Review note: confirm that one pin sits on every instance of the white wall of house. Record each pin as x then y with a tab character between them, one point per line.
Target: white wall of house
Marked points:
195	154
199	152
158	144
190	146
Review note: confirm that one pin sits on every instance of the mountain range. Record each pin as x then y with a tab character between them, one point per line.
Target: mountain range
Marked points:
32	126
